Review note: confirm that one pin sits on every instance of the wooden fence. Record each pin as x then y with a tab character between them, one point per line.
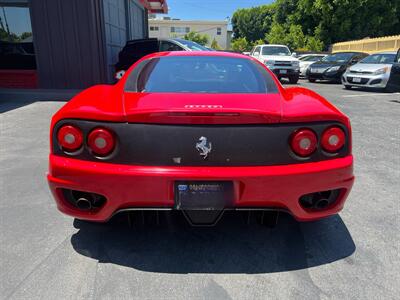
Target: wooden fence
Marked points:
387	43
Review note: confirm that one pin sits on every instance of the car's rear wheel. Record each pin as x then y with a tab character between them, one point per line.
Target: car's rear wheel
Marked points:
293	79
311	79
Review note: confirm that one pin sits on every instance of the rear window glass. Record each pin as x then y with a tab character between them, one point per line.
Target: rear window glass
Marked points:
192	45
200	74
311	58
339	57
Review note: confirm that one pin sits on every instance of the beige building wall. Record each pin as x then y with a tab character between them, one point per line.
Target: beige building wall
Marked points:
214	29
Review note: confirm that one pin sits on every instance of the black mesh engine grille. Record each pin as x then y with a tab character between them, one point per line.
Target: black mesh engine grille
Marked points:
175	145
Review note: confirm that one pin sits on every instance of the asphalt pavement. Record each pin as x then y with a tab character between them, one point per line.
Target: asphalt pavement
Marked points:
353	255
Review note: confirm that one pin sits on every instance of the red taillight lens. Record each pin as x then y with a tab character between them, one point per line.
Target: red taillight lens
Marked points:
101	141
333	139
304	142
70	138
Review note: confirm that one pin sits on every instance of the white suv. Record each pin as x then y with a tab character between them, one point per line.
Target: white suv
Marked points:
279	60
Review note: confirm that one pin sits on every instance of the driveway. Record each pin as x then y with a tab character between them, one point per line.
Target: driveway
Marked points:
353	255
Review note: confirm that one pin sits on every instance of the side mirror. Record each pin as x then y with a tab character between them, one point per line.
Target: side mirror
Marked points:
256	53
294	54
353	62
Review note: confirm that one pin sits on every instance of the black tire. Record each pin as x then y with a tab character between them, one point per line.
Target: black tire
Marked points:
311	80
347	87
293	79
389	89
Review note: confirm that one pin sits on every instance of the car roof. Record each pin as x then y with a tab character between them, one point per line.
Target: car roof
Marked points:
178	39
140	40
274	45
171	39
353	52
385	52
198	53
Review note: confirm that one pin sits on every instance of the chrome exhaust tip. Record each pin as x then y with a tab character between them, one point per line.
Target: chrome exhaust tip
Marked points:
83	204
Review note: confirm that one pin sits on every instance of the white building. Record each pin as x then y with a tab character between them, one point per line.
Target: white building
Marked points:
167	28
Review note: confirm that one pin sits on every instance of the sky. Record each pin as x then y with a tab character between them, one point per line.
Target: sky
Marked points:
208	9
18	19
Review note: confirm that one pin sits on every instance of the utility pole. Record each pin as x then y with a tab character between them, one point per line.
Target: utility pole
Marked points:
5	19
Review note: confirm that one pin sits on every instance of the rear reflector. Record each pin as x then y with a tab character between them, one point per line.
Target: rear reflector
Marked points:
101	142
70	138
333	139
304	142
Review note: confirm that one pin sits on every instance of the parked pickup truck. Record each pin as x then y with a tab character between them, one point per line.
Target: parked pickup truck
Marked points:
279	60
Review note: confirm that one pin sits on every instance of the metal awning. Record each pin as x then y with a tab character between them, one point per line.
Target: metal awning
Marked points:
155	6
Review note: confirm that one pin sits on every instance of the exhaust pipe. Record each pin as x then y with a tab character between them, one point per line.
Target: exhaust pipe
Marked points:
319	200
83	204
84	201
321	203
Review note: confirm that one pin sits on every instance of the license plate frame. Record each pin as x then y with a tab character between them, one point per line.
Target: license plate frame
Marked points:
282	71
356	79
203	195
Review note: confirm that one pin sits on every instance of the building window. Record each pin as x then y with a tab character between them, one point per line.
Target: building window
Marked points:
180	29
219	31
17	55
16	42
16	38
154	28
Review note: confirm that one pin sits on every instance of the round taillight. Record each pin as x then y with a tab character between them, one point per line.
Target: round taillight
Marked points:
304	142
333	139
70	138
101	141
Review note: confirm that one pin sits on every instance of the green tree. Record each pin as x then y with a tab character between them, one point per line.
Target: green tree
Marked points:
241	45
202	39
277	34
252	23
314	44
315	24
342	20
214	45
295	38
4	36
25	35
259	42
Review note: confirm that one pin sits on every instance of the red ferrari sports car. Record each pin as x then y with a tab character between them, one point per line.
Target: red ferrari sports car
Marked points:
199	132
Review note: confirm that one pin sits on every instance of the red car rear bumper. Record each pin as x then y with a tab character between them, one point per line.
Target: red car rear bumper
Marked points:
127	186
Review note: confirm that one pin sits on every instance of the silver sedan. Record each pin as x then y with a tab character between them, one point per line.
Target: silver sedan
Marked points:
372	72
307	60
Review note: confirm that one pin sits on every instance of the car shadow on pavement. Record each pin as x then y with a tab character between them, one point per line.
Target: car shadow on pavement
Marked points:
8	105
364	90
230	247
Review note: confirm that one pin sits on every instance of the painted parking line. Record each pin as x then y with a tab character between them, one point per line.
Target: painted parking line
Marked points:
363	95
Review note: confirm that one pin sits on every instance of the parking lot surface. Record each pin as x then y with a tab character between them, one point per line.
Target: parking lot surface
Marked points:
353	255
